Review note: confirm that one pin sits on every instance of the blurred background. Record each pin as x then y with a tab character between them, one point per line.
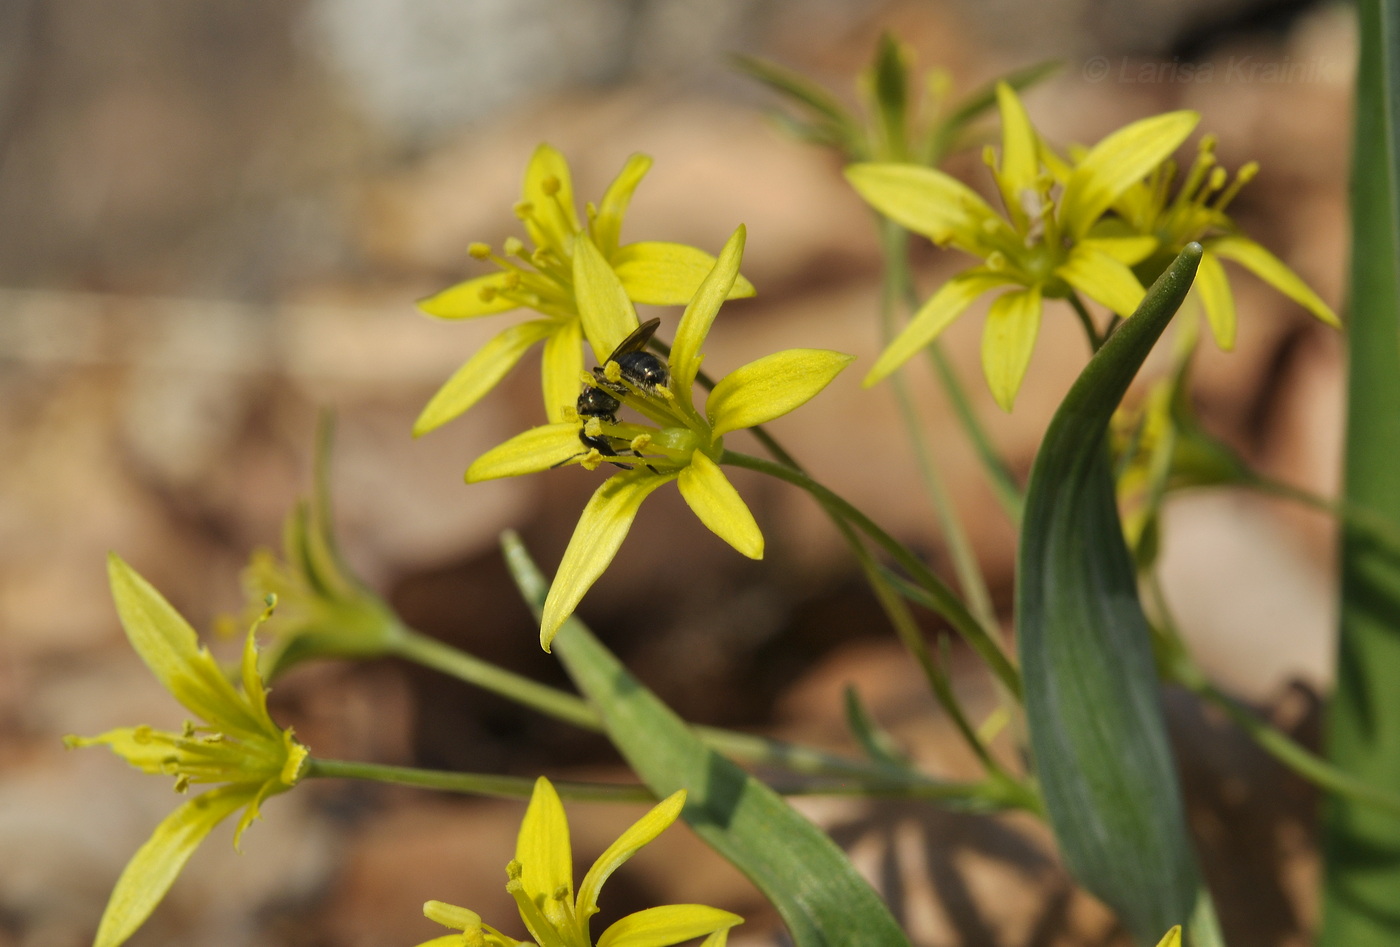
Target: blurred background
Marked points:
214	220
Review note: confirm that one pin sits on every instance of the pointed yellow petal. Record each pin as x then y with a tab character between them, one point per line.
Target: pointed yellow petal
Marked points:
656	273
476	297
700	313
1102	278
925	200
708	492
156	864
144	748
1116	163
539	448
1214	287
561	368
1012	325
1172	938
932	318
666	925
643	831
608	315
1124	249
1019	147
482	372
771	387
601	528
542	847
450	915
549	189
171	649
1272	270
607	226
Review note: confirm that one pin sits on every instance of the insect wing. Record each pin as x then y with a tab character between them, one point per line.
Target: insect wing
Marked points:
636	341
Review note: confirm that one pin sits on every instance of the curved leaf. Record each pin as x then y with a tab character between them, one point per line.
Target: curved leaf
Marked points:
1091	689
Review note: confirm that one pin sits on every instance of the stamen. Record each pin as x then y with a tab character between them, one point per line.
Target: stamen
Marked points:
513	247
640	442
591	460
1242	177
612	372
593	427
550	186
511	282
590	211
989	157
479	250
524	210
996	261
486	294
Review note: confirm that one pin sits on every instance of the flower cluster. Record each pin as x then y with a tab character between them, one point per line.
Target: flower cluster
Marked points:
541	278
1091	224
237	744
682	444
540	879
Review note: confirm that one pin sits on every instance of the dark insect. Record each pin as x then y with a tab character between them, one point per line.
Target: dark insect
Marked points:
643	369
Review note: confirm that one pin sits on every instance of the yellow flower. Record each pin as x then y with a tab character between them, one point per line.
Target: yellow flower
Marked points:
1197	212
541	279
1040	248
1172	938
541	881
682	444
237	745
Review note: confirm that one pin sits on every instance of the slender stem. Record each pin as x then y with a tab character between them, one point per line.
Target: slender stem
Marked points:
947	603
894	240
1095	340
1377	525
476	784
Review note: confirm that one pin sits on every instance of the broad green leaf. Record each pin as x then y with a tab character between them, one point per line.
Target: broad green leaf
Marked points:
817	891
157	863
771	386
656	273
601	528
1361	887
482	372
708	492
1092	704
701	310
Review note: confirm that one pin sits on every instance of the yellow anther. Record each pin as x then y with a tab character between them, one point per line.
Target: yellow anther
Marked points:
486	293
590	211
666	394
511	282
562	893
479	250
612	372
541	258
513	247
588	379
640	442
523	209
593	427
1207	143
1247	173
989	225
591	461
989	157
996	261
550	186
1217	179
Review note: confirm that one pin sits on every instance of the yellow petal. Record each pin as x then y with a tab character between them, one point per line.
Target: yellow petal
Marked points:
1214	287
482	372
924	200
1019	164
601	528
700	313
1272	270
607	226
708	492
143	747
668	924
450	915
1125	249
156	864
560	369
656	273
171	649
643	831
1102	278
539	448
1116	163
1012	325
1172	938
554	220
542	848
771	387
932	318
608	315
476	297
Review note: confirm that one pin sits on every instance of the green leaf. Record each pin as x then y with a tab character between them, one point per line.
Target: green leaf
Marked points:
821	897
1361	893
1092	703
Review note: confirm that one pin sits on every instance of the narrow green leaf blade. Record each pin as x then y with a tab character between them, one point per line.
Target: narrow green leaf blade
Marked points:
821	897
1361	888
1092	702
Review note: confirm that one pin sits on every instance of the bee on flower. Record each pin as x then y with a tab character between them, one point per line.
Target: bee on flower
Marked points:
683	443
541	277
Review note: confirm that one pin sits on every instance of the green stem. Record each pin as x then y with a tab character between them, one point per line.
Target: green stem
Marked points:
947	603
894	241
476	784
1095	340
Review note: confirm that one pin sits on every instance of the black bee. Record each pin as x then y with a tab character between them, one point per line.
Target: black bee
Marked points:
643	369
